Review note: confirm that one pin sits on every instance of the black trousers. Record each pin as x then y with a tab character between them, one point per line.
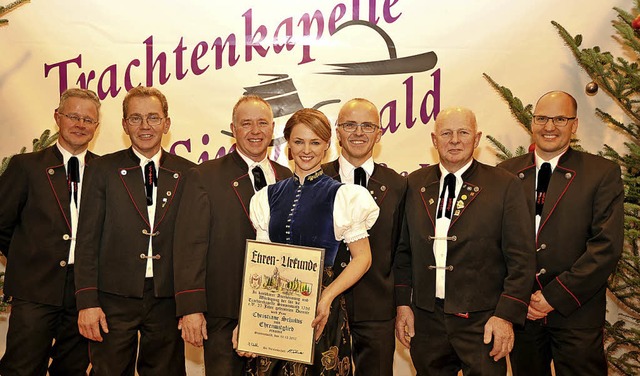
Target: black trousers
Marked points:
445	344
220	359
373	346
151	321
32	329
573	351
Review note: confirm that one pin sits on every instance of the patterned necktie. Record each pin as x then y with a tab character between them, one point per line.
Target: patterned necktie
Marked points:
150	180
73	178
544	175
259	181
360	177
450	185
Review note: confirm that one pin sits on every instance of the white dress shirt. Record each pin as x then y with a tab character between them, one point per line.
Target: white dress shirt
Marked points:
74	208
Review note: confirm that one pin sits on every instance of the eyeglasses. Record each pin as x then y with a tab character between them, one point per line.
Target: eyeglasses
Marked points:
351	126
77	119
558	121
136	120
249	124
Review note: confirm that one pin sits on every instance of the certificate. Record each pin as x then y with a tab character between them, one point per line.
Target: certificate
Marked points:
280	290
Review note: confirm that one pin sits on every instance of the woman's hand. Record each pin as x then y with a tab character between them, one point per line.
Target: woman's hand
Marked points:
322	315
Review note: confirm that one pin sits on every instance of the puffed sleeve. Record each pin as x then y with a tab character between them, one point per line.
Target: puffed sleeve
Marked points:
354	212
260	213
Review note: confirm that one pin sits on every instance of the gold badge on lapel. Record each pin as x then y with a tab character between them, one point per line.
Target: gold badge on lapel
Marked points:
463	197
457	213
431	201
460	204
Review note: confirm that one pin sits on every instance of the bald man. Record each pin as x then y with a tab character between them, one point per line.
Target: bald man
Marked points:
465	262
578	213
370	305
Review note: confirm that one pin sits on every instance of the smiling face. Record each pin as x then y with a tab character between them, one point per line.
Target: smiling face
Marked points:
252	128
307	149
455	137
74	136
146	139
357	146
550	139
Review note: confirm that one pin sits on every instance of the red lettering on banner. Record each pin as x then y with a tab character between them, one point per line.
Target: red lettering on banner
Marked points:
156	69
63	71
429	105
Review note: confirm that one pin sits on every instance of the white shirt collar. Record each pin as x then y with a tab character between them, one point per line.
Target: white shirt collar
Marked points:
66	155
346	168
553	161
144	160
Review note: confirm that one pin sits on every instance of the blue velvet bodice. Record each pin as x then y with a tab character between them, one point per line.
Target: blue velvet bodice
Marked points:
302	214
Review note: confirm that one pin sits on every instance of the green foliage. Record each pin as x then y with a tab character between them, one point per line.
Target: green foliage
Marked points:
619	79
45	140
8	8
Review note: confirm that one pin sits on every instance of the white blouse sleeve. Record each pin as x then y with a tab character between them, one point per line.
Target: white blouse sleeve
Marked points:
260	213
354	212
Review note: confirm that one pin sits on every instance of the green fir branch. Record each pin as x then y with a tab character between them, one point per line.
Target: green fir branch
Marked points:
9	8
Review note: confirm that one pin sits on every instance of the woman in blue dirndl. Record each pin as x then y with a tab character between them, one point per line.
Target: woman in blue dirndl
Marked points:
312	209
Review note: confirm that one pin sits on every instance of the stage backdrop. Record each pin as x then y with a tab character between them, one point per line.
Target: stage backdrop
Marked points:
410	57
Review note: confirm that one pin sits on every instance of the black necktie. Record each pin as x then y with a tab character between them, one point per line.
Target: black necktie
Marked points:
150	180
360	177
449	186
73	178
259	181
544	175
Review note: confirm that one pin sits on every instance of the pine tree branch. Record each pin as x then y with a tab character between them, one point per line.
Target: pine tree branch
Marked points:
522	113
10	7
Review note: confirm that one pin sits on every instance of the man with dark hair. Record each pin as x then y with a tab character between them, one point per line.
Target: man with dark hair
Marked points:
124	271
38	222
211	232
576	200
370	304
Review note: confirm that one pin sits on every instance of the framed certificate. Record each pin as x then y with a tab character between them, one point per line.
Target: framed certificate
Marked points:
280	290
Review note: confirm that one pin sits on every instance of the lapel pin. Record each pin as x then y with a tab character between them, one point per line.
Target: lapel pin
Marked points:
51	171
422	189
459	205
476	189
463	197
164	201
521	175
567	175
123	172
431	201
168	193
383	188
457	213
469	189
176	175
235	183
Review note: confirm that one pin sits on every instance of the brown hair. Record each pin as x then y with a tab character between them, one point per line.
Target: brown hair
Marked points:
247	98
143	91
312	118
79	93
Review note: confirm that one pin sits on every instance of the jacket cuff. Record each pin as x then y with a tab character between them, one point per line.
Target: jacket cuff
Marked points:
87	298
191	301
512	309
403	295
560	297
